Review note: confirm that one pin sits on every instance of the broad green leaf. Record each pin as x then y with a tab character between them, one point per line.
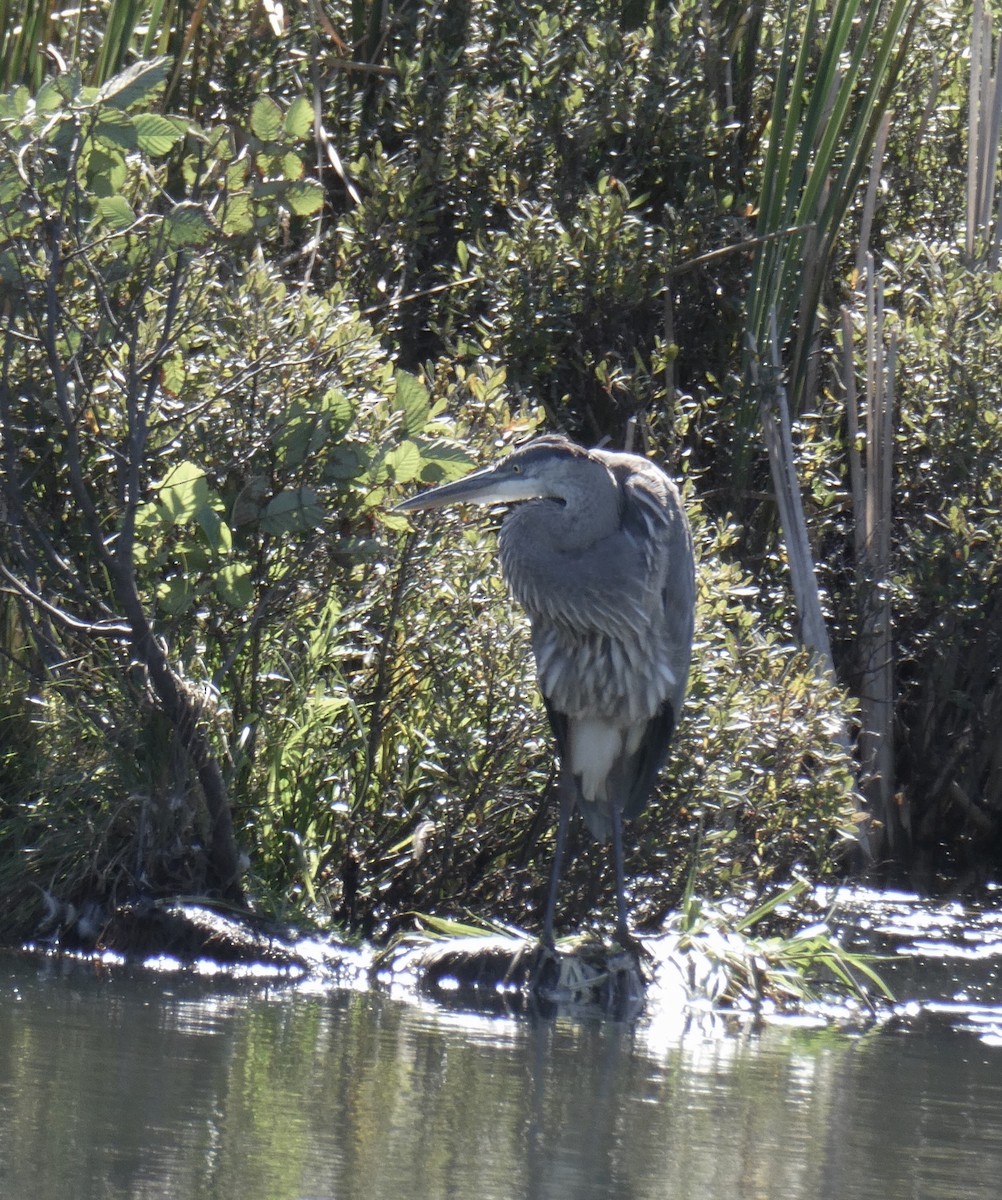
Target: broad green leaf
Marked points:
157	134
345	462
238	214
175	595
173	374
188	224
299	119
304	198
268	165
293	511
236	174
12	188
116	129
183	492
14	104
443	461
339	410
292	166
250	500
134	84
116	211
106	172
398	522
149	517
412	401
266	119
49	97
233	583
404	462
218	143
10	267
301	433
217	532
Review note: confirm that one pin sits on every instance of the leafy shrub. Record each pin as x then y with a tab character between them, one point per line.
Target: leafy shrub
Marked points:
948	562
517	184
192	453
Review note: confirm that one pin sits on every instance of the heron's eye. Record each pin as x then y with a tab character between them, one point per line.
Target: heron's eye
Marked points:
516	469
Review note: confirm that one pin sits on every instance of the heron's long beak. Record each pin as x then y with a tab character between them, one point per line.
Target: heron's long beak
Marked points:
490	485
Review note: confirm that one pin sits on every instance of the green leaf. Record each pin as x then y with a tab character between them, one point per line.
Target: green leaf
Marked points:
292	166
237	214
339	410
266	119
134	84
116	129
217	532
299	119
184	492
10	268
304	198
250	500
404	462
116	211
106	172
293	511
236	175
443	461
397	522
233	583
413	401
268	165
345	462
302	433
149	519
172	375
188	224
174	595
14	104
49	97
156	134
11	188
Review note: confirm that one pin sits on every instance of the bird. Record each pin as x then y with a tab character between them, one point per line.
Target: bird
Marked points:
597	549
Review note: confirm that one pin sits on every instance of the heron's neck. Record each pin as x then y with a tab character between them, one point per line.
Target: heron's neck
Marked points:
542	541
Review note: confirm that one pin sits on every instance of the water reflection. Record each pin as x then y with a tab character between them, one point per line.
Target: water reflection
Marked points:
135	1086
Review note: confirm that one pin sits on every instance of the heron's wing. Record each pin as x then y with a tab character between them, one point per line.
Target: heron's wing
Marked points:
560	724
642	768
653	515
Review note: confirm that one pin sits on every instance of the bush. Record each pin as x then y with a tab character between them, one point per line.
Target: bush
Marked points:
949	562
222	365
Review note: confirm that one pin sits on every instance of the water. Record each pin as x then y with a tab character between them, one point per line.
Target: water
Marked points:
119	1083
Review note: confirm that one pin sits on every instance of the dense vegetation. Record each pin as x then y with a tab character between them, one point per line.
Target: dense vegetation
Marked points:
265	270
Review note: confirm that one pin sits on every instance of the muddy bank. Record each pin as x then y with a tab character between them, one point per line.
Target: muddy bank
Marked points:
684	968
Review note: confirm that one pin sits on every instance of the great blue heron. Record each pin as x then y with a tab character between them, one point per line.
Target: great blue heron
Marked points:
597	550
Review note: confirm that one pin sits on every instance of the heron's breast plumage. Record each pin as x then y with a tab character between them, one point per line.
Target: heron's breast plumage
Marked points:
598	629
621	680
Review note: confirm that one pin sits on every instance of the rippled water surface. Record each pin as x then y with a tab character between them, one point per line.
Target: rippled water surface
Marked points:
117	1083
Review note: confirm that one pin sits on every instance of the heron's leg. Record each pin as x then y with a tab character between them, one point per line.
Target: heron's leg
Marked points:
623	935
566	789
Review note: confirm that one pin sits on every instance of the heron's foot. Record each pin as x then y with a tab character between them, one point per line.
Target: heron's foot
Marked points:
590	972
631	944
544	979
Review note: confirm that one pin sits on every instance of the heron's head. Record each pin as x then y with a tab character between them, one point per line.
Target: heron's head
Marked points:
547	468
